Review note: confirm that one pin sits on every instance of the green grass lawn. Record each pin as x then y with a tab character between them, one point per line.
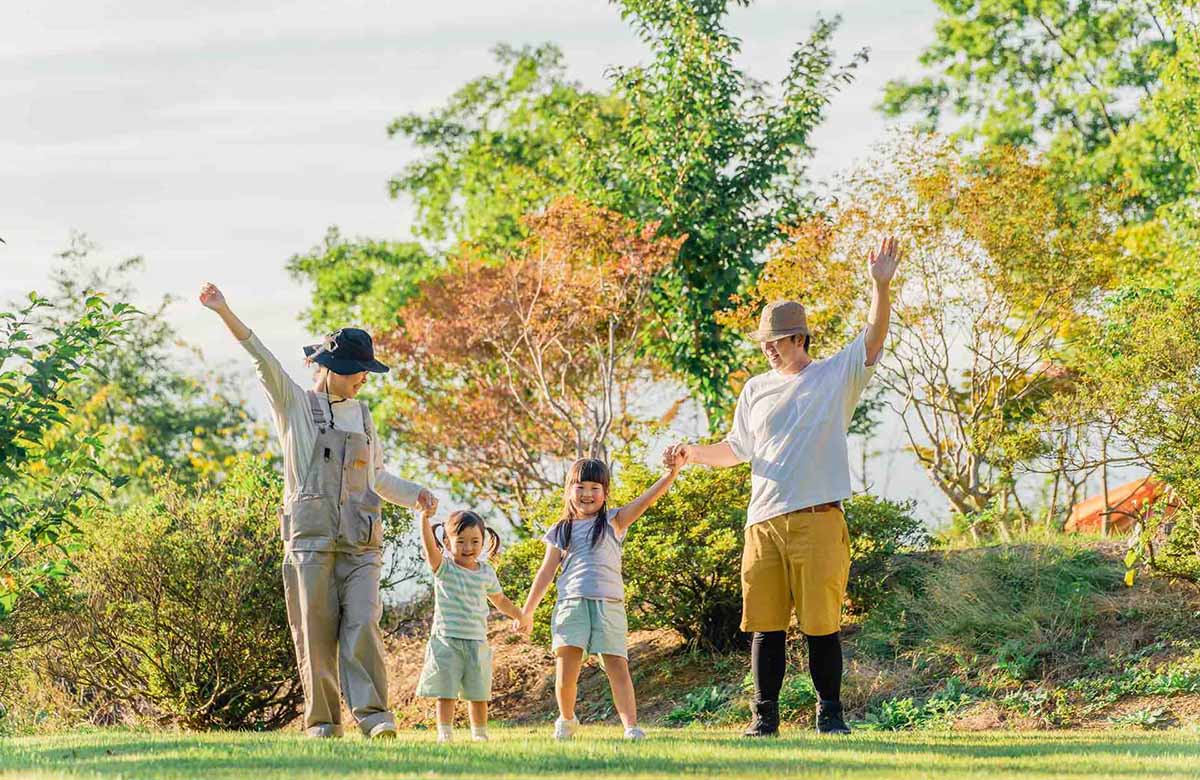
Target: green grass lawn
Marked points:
600	752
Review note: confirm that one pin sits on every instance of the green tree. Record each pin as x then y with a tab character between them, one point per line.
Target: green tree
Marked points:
688	140
1078	77
364	283
47	476
157	412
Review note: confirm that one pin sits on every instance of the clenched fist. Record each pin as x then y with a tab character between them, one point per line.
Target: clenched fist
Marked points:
212	297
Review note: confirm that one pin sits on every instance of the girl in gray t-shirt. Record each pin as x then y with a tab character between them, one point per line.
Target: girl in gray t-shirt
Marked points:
589	614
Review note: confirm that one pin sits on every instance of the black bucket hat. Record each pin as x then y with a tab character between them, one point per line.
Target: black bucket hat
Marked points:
346	351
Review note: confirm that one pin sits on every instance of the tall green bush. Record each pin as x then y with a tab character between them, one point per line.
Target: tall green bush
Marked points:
176	614
46	475
879	530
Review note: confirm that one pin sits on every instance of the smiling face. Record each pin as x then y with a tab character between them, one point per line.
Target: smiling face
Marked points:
466	545
587	497
786	354
586	488
345	385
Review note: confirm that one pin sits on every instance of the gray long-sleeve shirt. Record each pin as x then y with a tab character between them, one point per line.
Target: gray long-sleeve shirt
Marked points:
298	433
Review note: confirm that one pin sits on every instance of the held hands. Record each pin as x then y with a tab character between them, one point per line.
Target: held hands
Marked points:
427	502
676	457
523	624
212	297
882	264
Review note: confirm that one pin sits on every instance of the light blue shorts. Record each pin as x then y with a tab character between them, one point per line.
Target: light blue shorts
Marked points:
456	669
596	626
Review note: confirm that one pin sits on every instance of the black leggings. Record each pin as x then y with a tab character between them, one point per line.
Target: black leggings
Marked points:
768	661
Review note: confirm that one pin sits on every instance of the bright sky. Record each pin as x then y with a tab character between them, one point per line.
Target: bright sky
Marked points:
216	139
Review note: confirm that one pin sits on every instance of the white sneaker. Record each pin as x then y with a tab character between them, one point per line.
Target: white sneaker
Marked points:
635	732
385	730
480	737
565	729
445	733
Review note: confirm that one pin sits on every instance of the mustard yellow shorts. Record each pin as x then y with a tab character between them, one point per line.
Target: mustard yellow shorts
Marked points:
796	562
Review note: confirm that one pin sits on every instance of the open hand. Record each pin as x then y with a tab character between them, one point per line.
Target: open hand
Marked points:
882	264
212	297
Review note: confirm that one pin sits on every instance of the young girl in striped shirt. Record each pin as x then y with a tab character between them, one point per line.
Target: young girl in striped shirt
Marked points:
458	661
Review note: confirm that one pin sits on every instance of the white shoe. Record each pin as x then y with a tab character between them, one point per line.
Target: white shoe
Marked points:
385	730
445	733
565	729
480	737
635	732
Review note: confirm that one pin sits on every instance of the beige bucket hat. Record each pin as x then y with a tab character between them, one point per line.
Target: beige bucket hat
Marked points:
780	319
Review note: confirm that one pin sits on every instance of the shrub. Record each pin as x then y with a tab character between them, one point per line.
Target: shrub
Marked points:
176	614
703	705
879	530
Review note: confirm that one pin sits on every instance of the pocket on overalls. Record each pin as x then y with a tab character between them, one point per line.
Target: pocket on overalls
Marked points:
358	462
368	531
311	517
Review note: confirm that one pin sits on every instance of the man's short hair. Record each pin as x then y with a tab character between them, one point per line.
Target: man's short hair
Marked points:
807	340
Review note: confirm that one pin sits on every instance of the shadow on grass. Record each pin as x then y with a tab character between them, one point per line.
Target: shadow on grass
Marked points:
669	754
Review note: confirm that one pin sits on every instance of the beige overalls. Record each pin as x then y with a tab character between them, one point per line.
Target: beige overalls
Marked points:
332	535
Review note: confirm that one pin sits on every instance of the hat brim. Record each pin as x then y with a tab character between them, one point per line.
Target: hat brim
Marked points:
775	335
344	365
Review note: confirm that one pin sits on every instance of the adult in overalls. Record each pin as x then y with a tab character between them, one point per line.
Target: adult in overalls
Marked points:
334	480
790	424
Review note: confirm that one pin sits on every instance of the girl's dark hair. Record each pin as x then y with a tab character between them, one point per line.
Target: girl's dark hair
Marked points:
583	470
462	520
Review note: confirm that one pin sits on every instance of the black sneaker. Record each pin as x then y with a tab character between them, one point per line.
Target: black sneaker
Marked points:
829	718
766	720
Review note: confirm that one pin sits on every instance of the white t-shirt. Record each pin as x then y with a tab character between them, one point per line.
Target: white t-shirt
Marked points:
298	434
792	430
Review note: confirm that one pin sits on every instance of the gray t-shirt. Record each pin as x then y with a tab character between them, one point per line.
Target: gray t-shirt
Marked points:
590	572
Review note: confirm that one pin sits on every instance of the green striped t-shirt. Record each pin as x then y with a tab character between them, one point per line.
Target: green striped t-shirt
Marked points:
460	605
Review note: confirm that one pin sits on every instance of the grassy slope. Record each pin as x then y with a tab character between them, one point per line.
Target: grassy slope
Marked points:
599	752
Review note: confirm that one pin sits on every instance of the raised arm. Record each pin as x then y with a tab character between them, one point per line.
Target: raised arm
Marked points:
433	553
882	267
629	513
541	583
214	299
281	390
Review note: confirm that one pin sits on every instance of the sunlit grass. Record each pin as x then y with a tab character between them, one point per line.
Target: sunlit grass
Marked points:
600	752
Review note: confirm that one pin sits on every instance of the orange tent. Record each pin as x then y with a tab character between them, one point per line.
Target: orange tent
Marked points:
1128	503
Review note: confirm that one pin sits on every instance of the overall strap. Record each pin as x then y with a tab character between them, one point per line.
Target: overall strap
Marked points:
368	423
317	410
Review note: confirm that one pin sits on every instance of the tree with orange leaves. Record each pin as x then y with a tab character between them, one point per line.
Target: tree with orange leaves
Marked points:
518	365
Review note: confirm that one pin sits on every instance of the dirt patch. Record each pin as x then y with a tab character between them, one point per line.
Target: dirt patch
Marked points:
989	716
1163	712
